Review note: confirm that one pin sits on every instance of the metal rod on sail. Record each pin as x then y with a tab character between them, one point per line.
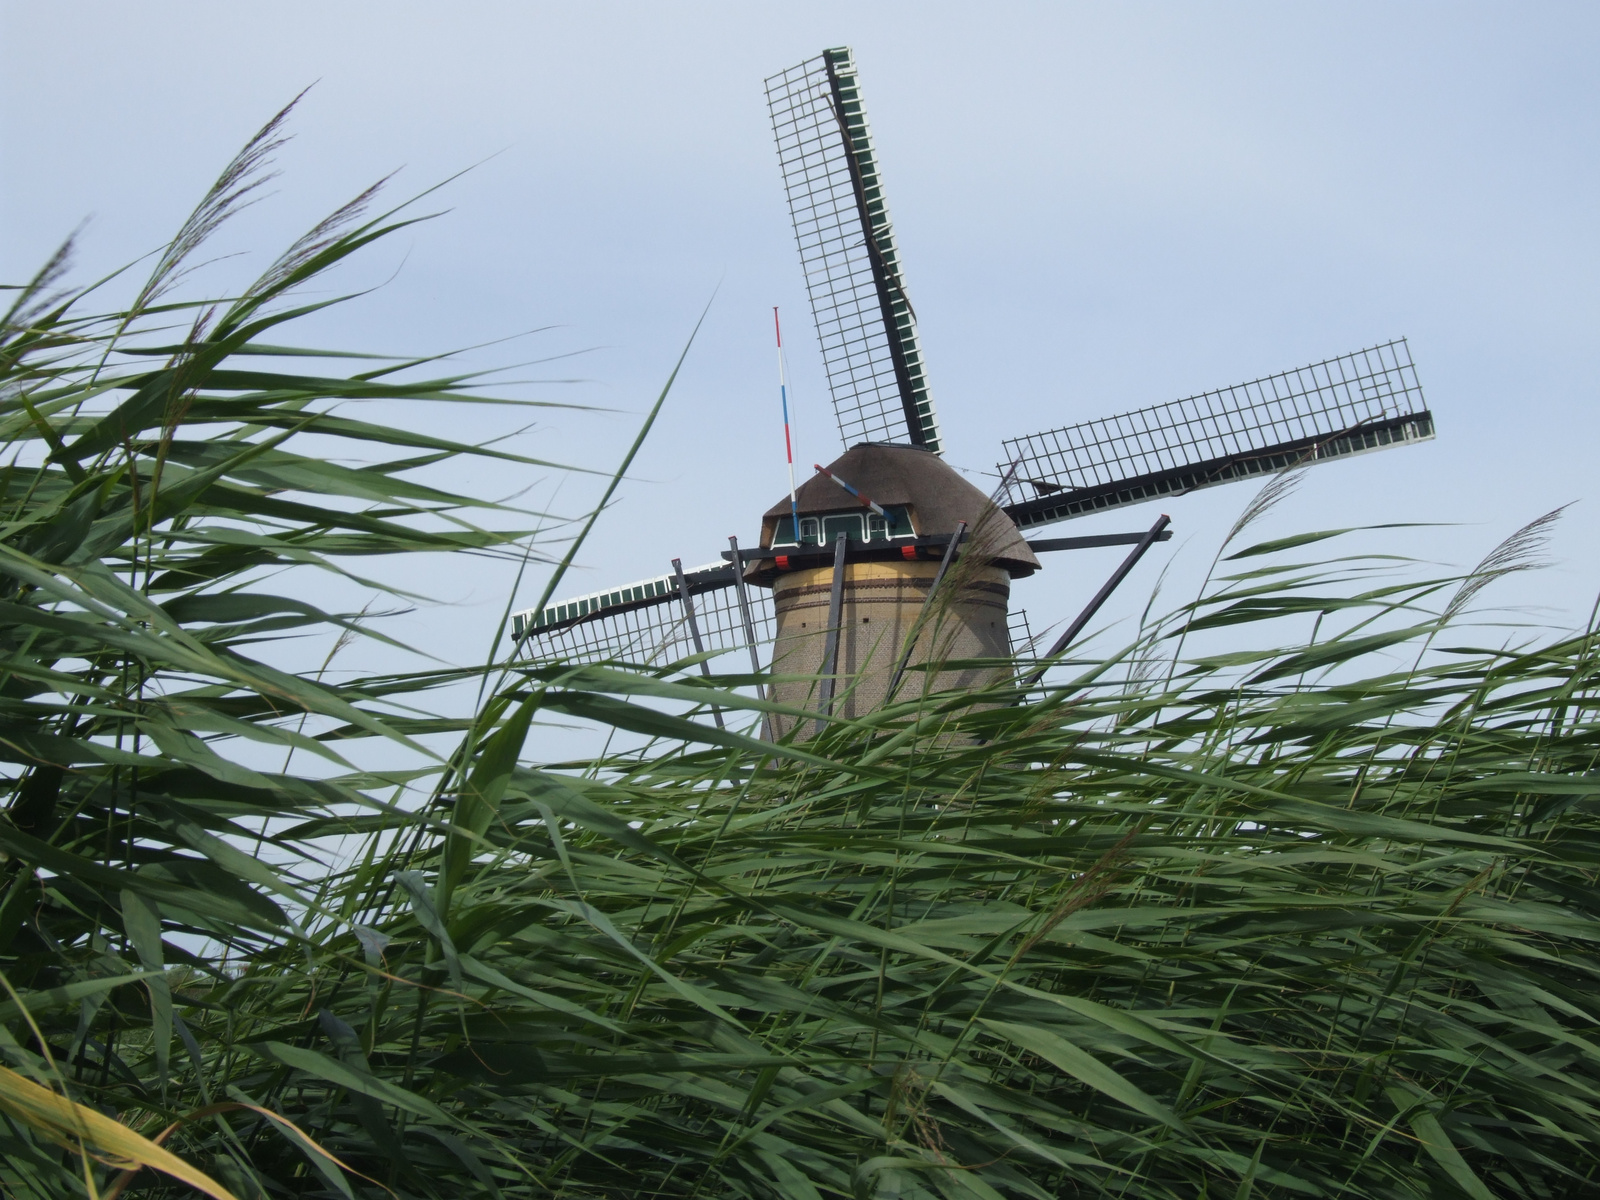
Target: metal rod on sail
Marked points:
830	648
867	500
788	439
1100	597
744	605
749	624
938	578
694	629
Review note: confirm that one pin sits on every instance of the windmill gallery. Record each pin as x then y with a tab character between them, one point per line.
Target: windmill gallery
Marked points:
837	596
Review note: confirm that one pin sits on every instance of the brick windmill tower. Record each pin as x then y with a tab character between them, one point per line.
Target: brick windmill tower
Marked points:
851	586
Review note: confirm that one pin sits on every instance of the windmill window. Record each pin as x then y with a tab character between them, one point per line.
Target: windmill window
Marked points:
857	526
848	524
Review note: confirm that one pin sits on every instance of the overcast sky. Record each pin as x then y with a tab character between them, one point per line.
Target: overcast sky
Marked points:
1098	207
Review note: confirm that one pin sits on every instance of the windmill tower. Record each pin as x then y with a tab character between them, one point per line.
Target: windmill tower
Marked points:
851	587
836	591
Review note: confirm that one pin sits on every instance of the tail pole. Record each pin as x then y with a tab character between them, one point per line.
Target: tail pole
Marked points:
867	500
788	441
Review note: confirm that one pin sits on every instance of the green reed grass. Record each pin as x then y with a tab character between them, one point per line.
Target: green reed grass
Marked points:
1294	896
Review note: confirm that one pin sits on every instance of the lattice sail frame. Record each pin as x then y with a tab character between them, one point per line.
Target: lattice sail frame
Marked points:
1346	405
645	623
865	322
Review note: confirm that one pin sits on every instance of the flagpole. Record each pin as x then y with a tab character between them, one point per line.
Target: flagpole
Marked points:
788	440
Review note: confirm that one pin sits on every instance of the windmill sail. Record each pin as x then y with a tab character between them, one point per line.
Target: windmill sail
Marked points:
864	319
1347	405
644	622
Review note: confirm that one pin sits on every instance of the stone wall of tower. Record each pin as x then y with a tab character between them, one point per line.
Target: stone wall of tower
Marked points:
881	603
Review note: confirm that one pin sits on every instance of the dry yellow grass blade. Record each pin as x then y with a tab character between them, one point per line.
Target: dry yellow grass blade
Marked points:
89	1132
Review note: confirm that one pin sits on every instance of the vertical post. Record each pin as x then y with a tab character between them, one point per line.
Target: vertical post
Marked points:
916	632
749	621
744	605
694	629
1100	598
830	649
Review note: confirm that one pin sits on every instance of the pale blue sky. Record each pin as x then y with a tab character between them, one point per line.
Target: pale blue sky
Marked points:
1099	207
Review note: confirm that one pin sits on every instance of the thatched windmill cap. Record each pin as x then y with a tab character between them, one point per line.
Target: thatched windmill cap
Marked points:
936	493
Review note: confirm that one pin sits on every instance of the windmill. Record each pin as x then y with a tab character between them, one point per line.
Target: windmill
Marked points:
839	586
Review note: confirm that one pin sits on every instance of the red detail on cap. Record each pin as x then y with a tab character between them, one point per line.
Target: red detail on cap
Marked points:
783	562
908	552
